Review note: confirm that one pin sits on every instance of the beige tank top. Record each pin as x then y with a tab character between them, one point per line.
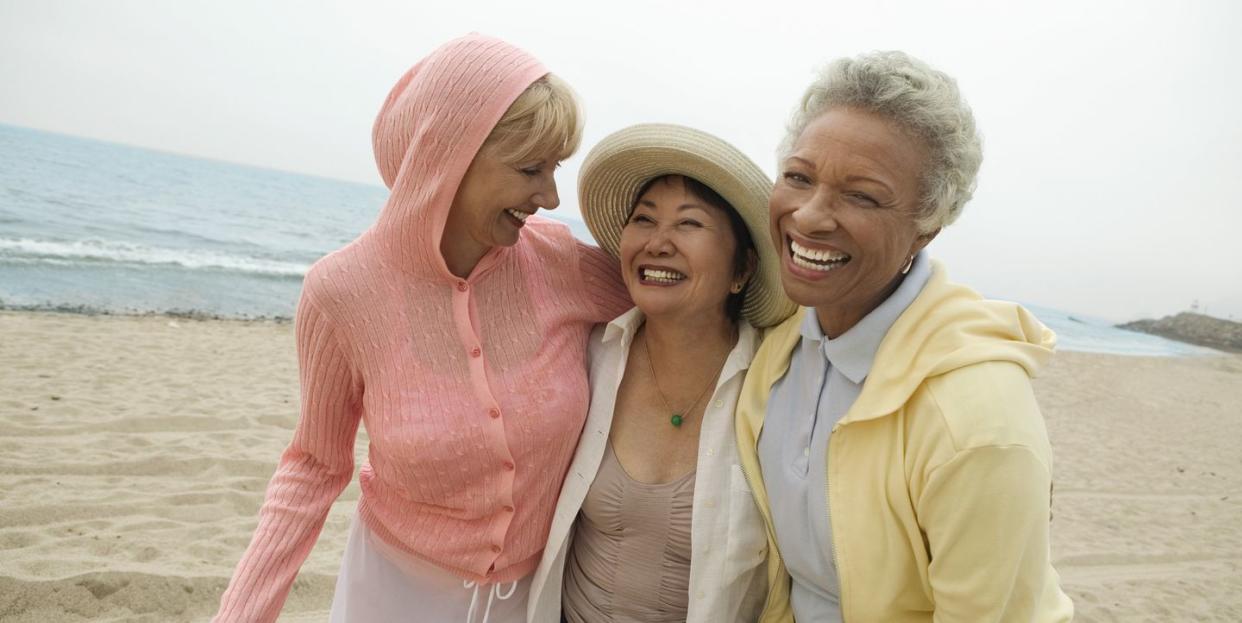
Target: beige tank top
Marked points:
630	557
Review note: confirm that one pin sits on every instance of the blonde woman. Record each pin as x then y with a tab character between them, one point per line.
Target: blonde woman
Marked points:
428	329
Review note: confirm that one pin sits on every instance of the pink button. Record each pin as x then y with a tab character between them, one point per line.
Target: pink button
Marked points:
495	413
462	286
509	465
476	351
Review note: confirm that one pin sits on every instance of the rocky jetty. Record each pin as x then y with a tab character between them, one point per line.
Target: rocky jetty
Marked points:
1193	328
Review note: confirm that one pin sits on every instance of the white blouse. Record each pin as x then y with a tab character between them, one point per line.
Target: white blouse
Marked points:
728	580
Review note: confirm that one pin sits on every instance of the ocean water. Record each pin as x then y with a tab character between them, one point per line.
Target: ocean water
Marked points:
92	226
1083	333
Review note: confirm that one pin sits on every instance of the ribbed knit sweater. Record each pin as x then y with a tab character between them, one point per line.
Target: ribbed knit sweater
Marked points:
473	391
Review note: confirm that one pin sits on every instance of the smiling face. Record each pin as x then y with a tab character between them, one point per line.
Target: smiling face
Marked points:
677	254
843	214
491	205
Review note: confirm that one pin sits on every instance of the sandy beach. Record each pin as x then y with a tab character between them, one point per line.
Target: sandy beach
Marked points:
134	452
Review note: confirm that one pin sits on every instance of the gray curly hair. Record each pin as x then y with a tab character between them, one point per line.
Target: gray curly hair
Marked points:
922	101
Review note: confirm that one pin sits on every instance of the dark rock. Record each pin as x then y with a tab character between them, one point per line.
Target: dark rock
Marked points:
1193	328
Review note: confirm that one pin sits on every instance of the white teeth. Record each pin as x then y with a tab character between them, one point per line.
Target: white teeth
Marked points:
823	268
816	255
521	216
662	276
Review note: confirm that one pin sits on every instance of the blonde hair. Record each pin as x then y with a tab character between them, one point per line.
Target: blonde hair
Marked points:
544	119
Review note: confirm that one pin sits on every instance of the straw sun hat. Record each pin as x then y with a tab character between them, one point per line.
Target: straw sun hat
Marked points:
625	160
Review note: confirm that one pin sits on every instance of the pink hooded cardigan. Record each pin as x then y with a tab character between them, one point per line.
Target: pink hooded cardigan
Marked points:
473	391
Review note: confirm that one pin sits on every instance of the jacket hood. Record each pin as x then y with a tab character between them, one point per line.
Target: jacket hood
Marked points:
948	326
428	131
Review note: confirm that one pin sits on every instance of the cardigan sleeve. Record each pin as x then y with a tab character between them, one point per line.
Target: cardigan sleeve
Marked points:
601	280
985	516
313	470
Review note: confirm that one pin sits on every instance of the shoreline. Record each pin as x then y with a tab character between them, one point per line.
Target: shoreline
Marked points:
201	316
172	314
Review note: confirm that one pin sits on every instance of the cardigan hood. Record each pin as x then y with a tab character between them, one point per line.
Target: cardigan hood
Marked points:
428	131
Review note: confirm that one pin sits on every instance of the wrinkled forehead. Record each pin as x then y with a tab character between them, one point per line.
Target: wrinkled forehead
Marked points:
850	142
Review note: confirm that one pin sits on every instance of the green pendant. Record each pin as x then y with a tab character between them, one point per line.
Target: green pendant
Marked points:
676	420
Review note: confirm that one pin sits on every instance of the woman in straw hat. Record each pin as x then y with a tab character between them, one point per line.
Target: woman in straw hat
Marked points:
905	470
455	330
655	521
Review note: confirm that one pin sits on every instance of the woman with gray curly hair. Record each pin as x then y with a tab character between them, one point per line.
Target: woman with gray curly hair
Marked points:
889	430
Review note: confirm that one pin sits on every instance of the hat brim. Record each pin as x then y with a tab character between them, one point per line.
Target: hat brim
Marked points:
622	162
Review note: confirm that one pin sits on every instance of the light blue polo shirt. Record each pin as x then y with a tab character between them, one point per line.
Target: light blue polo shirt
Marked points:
824	379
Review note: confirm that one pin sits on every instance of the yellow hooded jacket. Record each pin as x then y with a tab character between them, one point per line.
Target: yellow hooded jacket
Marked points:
939	475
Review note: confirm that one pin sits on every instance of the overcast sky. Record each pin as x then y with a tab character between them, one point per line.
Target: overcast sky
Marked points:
1112	175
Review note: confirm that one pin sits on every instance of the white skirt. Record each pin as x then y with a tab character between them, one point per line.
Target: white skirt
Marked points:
379	584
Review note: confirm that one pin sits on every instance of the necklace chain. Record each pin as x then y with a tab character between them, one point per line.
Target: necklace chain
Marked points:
678	416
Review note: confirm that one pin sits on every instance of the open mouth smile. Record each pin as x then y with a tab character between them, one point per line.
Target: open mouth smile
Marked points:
518	215
659	276
820	260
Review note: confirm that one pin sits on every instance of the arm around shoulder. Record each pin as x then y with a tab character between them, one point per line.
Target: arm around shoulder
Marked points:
602	283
